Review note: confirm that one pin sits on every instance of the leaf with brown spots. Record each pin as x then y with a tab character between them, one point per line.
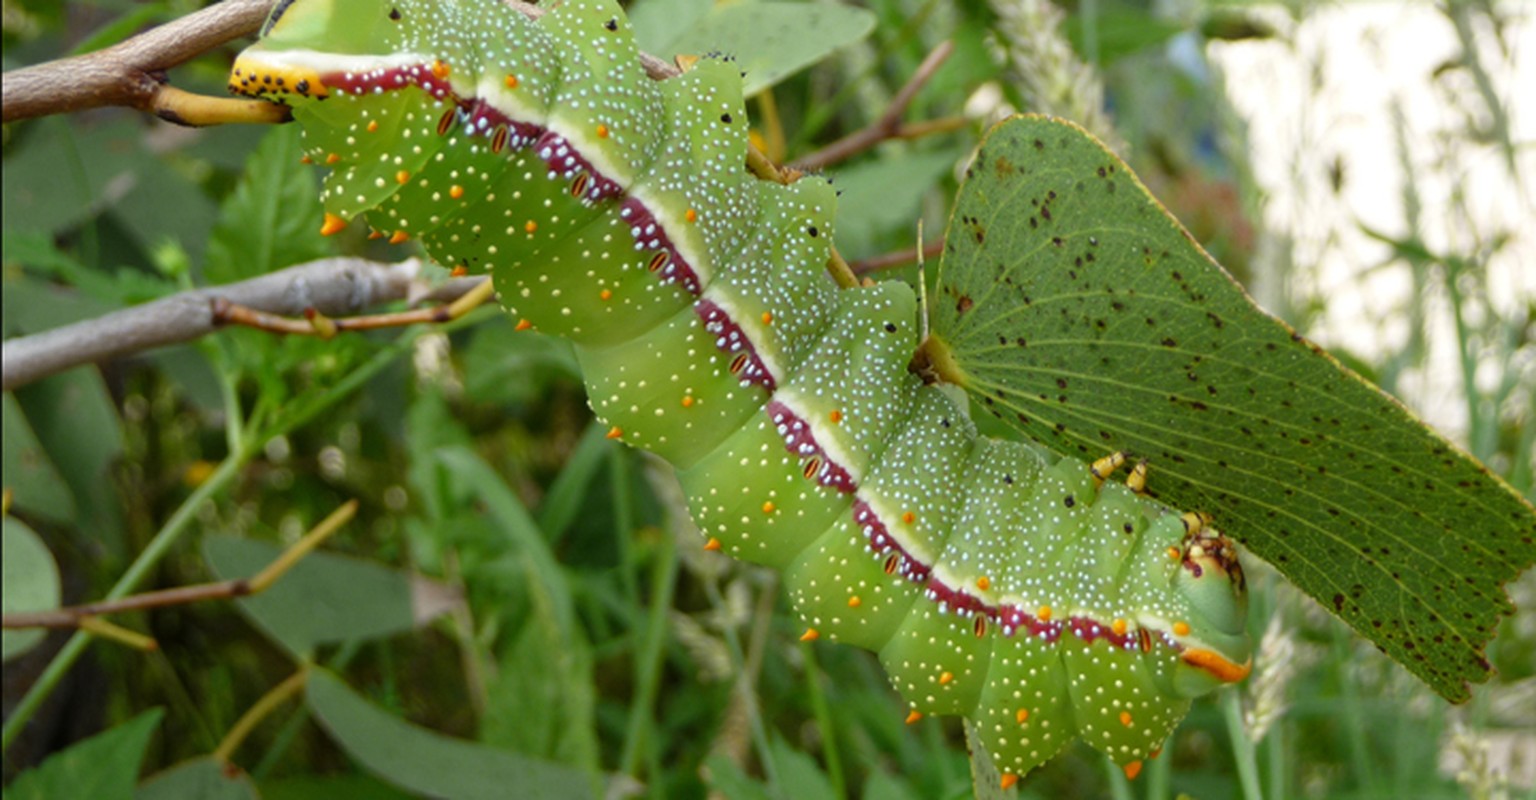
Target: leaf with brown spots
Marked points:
1092	323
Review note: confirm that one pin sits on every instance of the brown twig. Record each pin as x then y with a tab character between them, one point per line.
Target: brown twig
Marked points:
331	286
131	73
316	323
889	124
75	616
896	259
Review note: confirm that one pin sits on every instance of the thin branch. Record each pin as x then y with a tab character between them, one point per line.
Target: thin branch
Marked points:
899	258
476	291
77	616
331	286
131	73
889	123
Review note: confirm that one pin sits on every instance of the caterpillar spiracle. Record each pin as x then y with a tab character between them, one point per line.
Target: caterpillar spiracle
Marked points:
995	581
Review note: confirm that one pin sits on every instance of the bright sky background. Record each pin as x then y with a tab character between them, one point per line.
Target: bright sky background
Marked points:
1324	91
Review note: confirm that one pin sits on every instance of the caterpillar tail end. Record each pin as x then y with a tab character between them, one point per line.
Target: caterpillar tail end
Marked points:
332	225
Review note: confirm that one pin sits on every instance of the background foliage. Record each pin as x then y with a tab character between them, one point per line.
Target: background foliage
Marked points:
517	582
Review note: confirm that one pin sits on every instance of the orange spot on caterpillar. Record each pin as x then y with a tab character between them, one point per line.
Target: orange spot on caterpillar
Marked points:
914	716
306	160
1173	554
1125	718
399	237
602	131
511	81
332	225
439	69
983	583
767	317
909	518
855	602
687	401
332	159
606	294
1155	753
1022	715
530	226
946	678
373	126
456	191
836	416
1181	628
375	234
1132	770
1009	779
810	635
402	177
1119	627
691	215
524	325
459	271
1044	613
769	507
712	544
1225	670
614	432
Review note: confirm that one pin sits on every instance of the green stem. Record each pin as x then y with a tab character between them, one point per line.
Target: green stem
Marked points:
823	714
652	648
137	572
1243	751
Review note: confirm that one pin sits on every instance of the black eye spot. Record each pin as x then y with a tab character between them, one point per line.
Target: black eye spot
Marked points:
611	24
812	231
726	118
394	14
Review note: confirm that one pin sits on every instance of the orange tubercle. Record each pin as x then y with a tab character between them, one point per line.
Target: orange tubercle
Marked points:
712	544
511	81
914	717
306	160
1173	554
1022	716
836	416
439	69
1009	779
602	131
769	507
524	325
606	294
767	318
691	215
1044	613
983	583
687	400
1125	718
332	159
332	225
373	126
1181	629
855	602
402	177
810	635
459	271
399	237
945	678
456	191
1119	627
1132	770
614	432
530	226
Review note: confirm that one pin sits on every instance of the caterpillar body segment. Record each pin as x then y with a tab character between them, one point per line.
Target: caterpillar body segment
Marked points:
995	581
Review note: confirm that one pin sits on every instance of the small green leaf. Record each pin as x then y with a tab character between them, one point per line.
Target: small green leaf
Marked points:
26	469
272	220
325	598
31	583
771	41
198	779
103	767
877	196
430	763
1079	313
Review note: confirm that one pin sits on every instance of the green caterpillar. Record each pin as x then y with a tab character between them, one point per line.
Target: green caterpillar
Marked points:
995	581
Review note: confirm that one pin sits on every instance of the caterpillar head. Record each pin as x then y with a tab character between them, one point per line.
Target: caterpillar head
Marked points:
1217	648
304	42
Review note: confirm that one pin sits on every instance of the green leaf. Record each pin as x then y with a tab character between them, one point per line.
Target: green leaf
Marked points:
877	196
198	779
771	41
26	469
103	767
1078	312
31	583
75	420
272	220
325	598
430	763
